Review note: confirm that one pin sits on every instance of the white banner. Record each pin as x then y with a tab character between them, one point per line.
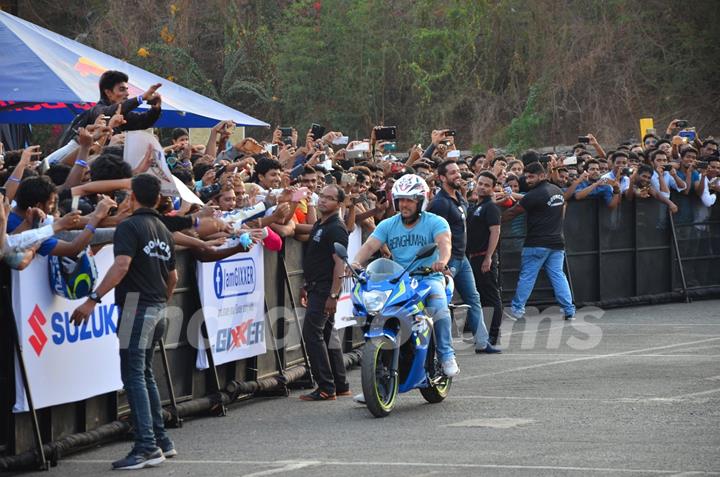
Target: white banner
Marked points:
344	313
232	295
64	362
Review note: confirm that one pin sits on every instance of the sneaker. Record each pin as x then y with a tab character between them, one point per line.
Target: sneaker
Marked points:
318	395
168	449
450	368
140	461
512	315
489	349
359	398
569	317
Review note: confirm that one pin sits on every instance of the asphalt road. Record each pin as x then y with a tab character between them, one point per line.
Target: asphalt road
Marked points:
632	391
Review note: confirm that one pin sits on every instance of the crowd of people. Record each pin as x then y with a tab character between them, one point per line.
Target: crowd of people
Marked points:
317	187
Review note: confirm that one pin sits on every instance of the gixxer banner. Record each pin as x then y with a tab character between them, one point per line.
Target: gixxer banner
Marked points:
232	296
64	362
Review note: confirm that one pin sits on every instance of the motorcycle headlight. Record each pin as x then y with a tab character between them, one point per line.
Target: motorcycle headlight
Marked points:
374	300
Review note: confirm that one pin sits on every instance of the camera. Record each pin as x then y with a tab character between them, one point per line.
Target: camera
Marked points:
627	171
583	140
450	132
208	192
386	133
701	165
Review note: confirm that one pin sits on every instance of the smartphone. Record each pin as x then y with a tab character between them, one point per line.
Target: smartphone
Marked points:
363	146
450	132
299	194
219	169
583	140
390	146
317	131
570	161
667	167
682	123
687	134
348	179
445	142
381	195
272	149
341	140
285	132
386	133
454	154
626	171
508	190
701	165
354	154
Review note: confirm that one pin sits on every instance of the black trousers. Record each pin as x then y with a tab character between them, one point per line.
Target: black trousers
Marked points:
323	345
489	288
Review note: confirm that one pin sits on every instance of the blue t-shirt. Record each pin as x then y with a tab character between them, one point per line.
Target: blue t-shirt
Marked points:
695	177
604	191
14	221
405	242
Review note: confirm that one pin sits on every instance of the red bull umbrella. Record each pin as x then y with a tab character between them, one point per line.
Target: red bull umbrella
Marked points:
46	78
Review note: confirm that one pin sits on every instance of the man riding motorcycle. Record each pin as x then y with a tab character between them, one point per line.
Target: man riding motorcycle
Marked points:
404	234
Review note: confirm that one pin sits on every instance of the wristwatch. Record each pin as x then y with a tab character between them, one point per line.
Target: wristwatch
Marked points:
334	296
94	297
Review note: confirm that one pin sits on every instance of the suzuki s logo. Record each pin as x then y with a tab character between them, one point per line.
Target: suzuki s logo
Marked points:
234	277
38	338
102	322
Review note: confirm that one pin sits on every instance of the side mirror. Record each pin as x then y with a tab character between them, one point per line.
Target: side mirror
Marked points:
340	251
426	251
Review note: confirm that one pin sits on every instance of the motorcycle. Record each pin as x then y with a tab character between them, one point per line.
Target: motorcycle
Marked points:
399	352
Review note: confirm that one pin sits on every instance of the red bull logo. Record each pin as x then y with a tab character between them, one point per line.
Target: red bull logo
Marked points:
87	67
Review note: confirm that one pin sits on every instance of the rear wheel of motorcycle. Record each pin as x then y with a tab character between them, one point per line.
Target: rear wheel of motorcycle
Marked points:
379	380
438	392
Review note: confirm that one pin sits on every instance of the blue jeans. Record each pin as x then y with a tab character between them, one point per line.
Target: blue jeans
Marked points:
136	354
437	308
533	259
465	286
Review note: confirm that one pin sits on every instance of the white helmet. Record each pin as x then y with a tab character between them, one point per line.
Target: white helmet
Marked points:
411	186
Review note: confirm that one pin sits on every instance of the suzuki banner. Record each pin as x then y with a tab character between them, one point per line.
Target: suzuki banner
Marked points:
64	362
232	295
344	313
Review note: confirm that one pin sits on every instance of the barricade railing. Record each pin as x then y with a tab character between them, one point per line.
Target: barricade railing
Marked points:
623	256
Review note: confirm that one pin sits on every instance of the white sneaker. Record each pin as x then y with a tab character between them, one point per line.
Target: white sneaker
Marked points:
359	398
450	368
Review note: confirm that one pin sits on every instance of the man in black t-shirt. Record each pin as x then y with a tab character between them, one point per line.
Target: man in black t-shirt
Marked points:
323	282
451	205
483	224
544	243
144	278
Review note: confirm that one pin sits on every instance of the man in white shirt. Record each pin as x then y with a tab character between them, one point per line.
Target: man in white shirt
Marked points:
619	161
665	177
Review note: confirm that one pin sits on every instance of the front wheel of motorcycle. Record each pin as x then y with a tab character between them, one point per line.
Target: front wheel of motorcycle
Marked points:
439	386
379	379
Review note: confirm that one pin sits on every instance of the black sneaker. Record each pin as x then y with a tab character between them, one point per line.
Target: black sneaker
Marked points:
319	395
569	317
140	461
489	349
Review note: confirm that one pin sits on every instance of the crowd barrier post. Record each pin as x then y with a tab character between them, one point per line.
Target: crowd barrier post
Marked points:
281	390
307	382
676	247
220	408
43	463
175	419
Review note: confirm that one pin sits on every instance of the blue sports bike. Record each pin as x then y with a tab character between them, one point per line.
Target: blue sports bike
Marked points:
399	353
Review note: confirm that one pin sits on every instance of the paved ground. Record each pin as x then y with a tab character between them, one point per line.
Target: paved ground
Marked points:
626	392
